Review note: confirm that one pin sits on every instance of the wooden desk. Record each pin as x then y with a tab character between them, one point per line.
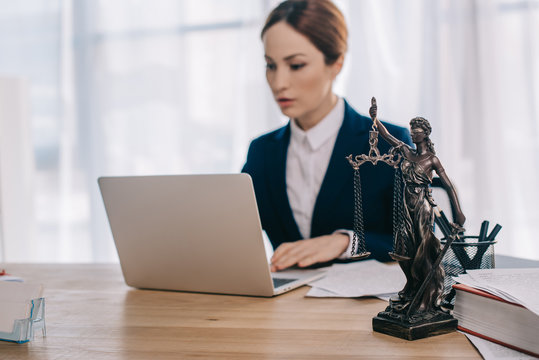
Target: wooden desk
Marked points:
92	314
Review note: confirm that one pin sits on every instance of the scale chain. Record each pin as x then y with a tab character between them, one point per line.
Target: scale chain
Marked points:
399	246
392	158
359	231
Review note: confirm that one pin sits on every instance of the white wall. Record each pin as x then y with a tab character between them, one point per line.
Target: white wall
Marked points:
16	171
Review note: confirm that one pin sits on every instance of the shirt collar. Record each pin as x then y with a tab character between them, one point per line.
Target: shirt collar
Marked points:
323	131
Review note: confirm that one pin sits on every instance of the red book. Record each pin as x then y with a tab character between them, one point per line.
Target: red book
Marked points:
492	318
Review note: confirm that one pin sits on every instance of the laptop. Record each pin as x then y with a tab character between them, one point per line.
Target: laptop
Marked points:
198	233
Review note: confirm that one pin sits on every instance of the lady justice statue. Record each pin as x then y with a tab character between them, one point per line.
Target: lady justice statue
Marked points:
422	247
415	312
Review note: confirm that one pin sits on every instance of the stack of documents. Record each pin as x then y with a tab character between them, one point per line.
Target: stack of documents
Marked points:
361	278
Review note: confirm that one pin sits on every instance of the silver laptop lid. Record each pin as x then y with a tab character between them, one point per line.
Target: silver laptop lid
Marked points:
188	232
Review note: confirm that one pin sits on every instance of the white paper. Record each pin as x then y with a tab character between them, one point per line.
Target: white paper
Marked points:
318	292
15	302
520	286
493	351
468	280
362	278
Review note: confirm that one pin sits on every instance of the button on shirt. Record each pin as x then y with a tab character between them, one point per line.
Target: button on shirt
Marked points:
306	164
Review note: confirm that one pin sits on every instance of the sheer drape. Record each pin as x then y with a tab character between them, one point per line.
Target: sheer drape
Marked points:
178	89
166	87
124	88
472	69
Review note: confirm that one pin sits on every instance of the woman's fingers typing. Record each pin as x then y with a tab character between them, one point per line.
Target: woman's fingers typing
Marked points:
309	251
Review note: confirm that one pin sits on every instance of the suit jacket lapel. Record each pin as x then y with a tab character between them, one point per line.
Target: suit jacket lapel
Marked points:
276	173
353	131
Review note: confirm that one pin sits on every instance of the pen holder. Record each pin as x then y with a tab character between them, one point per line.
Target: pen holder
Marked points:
468	254
23	329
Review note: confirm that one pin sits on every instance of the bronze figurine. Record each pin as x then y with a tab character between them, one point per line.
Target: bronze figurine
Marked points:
415	312
423	248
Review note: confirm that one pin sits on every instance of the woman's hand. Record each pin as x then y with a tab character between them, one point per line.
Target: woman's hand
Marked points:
309	251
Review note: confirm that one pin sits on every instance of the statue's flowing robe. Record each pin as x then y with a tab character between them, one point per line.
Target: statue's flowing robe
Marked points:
422	246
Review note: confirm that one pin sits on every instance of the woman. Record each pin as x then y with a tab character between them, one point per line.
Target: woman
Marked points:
421	246
302	180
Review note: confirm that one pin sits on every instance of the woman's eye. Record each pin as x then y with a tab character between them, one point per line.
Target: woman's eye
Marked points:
270	66
296	66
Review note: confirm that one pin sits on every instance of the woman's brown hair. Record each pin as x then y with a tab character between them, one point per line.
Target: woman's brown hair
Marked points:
319	20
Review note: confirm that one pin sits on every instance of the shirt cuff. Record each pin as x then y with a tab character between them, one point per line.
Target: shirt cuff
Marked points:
347	253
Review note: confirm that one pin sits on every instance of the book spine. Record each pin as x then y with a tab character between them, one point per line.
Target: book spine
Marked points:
461	328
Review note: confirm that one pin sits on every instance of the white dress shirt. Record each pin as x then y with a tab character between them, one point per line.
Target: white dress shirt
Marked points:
307	161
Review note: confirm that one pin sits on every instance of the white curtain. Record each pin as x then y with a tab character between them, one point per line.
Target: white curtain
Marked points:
16	170
125	88
170	86
164	87
472	69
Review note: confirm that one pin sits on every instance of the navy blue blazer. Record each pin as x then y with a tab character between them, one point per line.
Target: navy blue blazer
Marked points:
334	206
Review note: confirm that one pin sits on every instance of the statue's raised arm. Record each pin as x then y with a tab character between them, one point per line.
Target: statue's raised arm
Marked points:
373	109
393	141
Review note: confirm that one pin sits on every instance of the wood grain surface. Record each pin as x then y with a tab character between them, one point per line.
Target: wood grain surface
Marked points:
92	314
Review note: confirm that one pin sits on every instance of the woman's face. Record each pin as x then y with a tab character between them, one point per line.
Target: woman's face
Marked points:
418	135
297	74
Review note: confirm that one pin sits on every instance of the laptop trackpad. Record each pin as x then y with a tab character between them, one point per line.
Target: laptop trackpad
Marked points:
277	282
297	276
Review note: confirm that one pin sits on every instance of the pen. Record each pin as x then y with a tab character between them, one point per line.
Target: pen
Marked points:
494	232
442	222
481	249
483	231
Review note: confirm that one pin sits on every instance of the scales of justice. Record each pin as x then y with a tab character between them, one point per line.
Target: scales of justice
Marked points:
414	313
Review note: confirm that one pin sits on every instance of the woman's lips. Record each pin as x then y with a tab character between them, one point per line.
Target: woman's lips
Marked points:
285	102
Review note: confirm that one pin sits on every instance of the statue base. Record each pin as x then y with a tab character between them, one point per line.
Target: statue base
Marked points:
417	326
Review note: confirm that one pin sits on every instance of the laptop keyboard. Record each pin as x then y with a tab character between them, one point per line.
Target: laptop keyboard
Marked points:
280	282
